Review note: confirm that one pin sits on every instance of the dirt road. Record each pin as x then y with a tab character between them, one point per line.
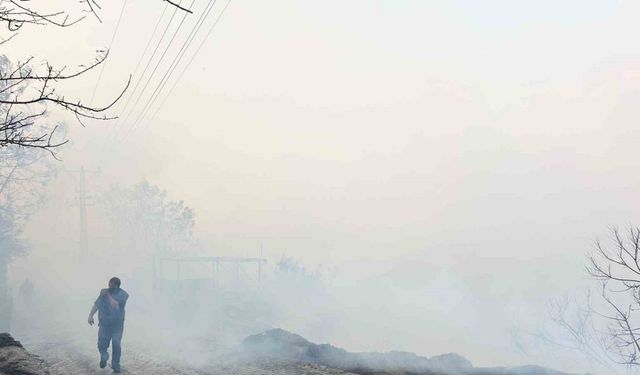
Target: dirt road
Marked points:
68	346
65	358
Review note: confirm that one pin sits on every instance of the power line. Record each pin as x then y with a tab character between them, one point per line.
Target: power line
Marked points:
192	58
184	17
115	32
147	66
135	71
178	58
178	6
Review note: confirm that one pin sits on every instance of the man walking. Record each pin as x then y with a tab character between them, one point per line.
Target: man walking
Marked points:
110	306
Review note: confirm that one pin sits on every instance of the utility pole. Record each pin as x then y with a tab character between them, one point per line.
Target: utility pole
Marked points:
260	265
82	205
84	236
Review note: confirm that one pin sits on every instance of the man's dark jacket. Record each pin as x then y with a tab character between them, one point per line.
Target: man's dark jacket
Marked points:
107	314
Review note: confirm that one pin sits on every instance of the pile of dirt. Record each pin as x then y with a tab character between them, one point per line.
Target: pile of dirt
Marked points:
282	345
450	361
15	360
278	344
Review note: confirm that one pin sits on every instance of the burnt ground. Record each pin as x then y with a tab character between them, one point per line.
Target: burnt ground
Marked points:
50	355
66	345
62	357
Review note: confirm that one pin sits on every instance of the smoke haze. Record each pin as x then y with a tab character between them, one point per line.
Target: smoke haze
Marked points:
435	171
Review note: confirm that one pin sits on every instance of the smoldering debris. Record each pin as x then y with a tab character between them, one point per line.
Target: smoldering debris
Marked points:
287	346
15	360
284	346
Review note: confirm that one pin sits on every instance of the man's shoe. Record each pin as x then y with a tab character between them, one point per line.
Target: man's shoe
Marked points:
103	361
116	368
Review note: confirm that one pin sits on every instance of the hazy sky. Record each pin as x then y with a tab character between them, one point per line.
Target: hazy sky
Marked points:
477	146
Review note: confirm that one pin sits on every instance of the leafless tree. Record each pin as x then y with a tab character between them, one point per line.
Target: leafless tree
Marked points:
146	221
24	98
617	267
24	173
27	91
17	13
580	323
574	331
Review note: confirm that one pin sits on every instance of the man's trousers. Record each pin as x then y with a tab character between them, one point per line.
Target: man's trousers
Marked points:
110	333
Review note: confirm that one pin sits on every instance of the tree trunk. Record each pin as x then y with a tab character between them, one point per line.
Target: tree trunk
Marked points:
5	297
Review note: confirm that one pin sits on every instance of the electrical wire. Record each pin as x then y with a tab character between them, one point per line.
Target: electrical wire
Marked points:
147	67
192	58
113	37
135	71
178	58
184	17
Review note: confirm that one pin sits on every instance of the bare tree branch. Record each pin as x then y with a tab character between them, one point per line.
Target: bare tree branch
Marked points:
16	14
24	94
618	268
